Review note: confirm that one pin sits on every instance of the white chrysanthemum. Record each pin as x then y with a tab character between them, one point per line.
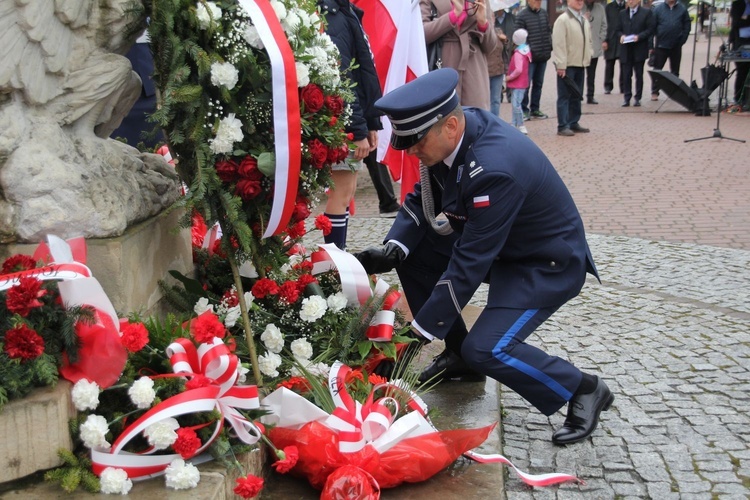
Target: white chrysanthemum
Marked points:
280	9
142	392
233	314
202	306
303	73
301	348
252	37
230	131
337	302
93	432
85	395
242	371
224	75
313	308
182	475
161	434
272	338
204	19
269	363
114	482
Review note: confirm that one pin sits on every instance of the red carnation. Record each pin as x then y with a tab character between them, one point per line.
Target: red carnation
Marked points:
287	459
288	292
134	337
263	287
17	263
197	382
318	153
24	297
312	96
227	170
23	342
335	104
207	326
187	442
323	223
304	266
230	298
305	280
249	169
301	211
297	230
249	486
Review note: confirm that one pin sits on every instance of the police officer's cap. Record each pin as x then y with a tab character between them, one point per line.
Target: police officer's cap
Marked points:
416	106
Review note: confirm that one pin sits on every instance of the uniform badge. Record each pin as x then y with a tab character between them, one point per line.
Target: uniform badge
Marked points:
481	201
459	173
472	163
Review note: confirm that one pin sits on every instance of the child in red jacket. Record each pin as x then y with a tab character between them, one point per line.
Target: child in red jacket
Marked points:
518	76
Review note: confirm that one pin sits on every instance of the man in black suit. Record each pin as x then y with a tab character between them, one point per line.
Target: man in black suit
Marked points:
739	35
612	51
634	30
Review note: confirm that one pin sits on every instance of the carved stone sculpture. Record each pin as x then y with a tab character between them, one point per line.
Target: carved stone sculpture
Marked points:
64	87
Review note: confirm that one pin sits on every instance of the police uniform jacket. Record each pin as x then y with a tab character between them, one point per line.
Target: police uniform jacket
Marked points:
516	226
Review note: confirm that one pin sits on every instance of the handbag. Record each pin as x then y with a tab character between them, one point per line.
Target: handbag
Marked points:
435	49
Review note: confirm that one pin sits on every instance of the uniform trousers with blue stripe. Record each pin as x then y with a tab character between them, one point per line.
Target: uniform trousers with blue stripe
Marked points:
496	345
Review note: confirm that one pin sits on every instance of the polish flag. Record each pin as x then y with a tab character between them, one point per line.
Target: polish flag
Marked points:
481	201
394	28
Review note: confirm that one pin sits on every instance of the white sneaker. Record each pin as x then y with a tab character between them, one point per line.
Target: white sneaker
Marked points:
523	130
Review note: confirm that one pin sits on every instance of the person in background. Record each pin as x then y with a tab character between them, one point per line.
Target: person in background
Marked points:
634	30
612	52
535	21
468	38
671	31
594	12
343	25
381	179
739	35
518	77
499	58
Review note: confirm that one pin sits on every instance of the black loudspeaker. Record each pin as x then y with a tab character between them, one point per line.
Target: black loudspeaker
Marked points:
677	90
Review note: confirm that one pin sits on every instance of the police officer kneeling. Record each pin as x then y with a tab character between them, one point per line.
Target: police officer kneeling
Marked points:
514	225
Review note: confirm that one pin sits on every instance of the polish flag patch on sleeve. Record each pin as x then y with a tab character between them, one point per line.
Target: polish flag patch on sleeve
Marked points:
481	201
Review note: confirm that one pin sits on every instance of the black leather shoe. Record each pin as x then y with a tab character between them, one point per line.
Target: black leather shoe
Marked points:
579	130
449	366
591	100
625	104
583	414
637	103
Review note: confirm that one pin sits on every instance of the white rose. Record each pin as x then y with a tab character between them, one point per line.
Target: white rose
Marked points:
142	392
85	395
303	74
204	19
233	314
181	475
252	37
229	132
115	481
337	302
301	348
313	308
272	338
269	363
224	74
202	306
161	434
93	432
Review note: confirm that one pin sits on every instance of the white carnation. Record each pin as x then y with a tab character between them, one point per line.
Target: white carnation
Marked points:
252	37
204	19
242	374
291	21
249	297
301	348
161	434
337	302
272	338
224	75
85	395
93	432
304	18
202	306
280	9
269	363
303	74
142	392
317	369
233	314
115	481
313	308
229	132
182	475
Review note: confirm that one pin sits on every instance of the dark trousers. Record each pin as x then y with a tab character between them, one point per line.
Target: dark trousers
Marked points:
496	345
569	106
536	80
741	83
590	77
674	55
609	75
629	70
381	179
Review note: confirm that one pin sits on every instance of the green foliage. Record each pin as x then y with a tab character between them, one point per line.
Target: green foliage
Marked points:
75	472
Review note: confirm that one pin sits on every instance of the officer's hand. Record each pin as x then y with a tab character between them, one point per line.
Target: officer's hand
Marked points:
381	260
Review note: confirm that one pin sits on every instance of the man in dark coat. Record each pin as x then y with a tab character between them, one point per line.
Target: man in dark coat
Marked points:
612	52
671	31
536	23
634	30
739	35
514	225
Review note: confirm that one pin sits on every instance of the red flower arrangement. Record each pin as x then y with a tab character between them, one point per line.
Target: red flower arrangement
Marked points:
134	336
18	263
24	297
187	442
24	343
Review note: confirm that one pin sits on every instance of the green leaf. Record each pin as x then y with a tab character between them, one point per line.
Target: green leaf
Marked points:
389	349
364	348
191	286
267	164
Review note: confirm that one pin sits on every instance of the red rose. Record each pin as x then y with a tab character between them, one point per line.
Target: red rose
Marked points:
301	211
343	152
249	486
24	297
335	104
207	326
23	342
248	189
305	280
333	155
249	169
263	287
197	382
227	170
297	230
288	292
312	96
318	153
333	121
323	223
350	136
187	442
287	459
17	263
134	337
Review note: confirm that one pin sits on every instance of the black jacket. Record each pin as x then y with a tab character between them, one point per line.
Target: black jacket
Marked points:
613	10
536	23
735	15
642	25
345	29
671	26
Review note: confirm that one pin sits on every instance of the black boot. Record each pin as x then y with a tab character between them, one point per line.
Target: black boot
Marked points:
449	366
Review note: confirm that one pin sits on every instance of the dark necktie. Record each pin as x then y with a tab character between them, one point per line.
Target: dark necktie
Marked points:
632	13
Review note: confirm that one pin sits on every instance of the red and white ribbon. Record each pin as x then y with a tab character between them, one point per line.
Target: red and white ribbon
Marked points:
66	260
530	479
286	112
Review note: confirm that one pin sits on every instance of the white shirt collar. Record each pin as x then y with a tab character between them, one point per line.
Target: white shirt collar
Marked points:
452	157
